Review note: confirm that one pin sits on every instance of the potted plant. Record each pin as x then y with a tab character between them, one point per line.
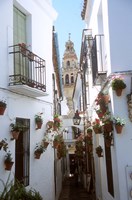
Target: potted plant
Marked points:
119	123
2	107
90	145
107	123
15	130
118	85
4	144
89	132
39	149
58	138
57	122
108	139
97	127
45	141
8	161
31	56
101	112
99	151
39	120
49	125
61	151
23	48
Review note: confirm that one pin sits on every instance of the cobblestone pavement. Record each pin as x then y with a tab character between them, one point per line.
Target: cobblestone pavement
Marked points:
72	191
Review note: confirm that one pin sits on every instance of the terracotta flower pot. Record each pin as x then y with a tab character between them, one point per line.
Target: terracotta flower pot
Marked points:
97	130
55	144
99	153
108	142
37	154
118	92
46	144
2	110
8	165
108	127
106	98
15	134
39	125
118	128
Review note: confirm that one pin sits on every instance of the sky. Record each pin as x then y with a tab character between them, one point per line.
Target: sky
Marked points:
69	21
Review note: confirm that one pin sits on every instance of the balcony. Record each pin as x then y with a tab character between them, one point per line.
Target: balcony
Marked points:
28	76
98	60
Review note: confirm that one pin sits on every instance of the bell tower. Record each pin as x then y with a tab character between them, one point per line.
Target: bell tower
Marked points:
70	68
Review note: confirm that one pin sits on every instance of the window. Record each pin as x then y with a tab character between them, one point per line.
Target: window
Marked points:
67	79
72	78
22	153
68	63
19	36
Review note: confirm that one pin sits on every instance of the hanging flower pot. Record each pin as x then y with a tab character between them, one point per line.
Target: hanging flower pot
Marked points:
119	123
118	92
39	125
16	128
106	98
108	139
118	128
2	107
89	132
97	130
38	120
97	126
108	126
39	149
15	134
8	165
37	155
118	85
99	151
8	161
45	144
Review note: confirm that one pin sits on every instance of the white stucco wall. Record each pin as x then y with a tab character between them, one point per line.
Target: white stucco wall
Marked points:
113	19
40	18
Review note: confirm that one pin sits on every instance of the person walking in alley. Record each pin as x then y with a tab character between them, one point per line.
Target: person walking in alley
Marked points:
76	177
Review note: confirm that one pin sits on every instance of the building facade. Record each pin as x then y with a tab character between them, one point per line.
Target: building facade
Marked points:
105	57
26	55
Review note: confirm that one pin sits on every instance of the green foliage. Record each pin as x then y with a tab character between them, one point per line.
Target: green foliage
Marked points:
16	191
99	149
38	118
119	121
8	157
39	148
118	83
4	144
17	127
2	103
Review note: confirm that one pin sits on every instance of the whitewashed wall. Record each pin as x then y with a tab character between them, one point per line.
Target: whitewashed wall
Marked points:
41	16
113	19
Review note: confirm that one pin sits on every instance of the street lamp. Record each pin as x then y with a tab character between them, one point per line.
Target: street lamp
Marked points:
76	118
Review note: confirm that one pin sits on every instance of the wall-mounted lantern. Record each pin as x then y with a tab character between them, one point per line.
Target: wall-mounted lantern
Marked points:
76	118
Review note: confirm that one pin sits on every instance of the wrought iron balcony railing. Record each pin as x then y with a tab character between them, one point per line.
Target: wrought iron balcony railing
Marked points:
29	69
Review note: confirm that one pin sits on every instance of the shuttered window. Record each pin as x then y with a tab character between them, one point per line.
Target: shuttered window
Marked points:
22	149
19	36
19	27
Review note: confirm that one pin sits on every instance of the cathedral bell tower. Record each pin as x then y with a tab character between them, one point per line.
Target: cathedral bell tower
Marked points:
70	68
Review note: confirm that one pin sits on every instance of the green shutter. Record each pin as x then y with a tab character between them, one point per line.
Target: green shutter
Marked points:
19	26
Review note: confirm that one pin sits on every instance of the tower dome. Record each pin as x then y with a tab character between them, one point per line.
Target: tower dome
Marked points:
70	68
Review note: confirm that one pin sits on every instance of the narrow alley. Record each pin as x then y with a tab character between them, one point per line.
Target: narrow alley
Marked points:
73	191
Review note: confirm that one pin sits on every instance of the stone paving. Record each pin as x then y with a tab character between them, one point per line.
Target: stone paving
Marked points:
72	191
